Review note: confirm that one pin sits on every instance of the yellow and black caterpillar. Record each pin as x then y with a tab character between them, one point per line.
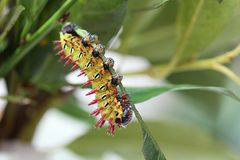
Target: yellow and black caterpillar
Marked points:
83	49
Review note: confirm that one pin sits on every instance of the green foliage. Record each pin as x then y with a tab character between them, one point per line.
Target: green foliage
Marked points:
16	13
150	29
150	147
199	23
173	31
103	17
160	31
33	9
144	93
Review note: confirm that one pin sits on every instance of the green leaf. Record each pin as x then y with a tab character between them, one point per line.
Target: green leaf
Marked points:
16	13
150	147
139	95
155	37
179	142
199	23
201	108
103	17
71	108
227	40
33	9
149	33
34	39
220	1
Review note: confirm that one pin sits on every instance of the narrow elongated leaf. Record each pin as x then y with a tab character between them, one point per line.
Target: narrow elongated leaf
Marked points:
142	94
33	9
150	147
16	13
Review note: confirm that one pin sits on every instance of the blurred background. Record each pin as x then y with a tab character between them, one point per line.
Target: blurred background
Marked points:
43	110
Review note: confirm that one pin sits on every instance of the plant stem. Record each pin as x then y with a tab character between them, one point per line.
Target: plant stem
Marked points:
226	71
215	63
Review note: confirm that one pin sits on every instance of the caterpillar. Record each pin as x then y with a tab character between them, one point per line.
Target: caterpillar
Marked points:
84	51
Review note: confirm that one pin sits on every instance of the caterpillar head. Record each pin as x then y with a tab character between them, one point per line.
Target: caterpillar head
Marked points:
70	28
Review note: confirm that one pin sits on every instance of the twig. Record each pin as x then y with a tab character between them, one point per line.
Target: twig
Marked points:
227	72
215	63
